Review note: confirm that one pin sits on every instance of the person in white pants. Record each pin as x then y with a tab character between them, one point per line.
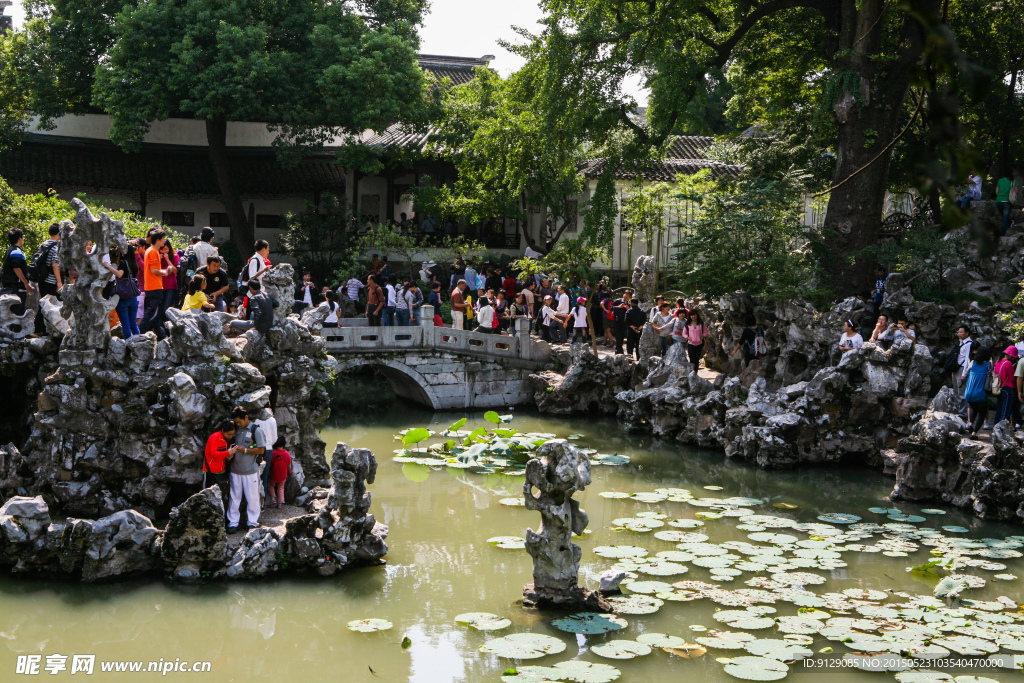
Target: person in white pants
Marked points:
245	472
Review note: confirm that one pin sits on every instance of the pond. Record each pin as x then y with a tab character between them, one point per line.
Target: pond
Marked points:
440	565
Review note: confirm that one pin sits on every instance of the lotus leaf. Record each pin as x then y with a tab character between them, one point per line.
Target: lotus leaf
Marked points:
524	646
621	649
369	625
483	621
590	623
661	640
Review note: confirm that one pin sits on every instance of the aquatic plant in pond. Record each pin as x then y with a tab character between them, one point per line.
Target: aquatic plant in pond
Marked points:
485	450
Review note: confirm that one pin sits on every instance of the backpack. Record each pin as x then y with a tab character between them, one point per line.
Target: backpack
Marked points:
187	267
996	384
951	363
243	276
760	346
37	268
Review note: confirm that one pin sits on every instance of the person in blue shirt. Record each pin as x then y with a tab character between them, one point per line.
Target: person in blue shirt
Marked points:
879	291
976	391
14	276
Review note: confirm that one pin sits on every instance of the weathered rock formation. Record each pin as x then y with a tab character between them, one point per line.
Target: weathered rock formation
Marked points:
850	411
587	384
116	433
558	471
336	531
938	461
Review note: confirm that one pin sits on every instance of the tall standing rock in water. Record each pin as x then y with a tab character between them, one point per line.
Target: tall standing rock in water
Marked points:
558	472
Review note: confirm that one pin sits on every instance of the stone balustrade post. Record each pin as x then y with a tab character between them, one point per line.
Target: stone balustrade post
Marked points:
427	325
523	336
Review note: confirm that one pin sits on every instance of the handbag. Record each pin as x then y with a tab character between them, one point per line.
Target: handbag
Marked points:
995	385
127	287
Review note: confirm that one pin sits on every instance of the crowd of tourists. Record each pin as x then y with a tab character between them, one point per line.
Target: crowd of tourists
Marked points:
149	277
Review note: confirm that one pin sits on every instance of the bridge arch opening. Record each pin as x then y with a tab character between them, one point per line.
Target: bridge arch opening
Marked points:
404	381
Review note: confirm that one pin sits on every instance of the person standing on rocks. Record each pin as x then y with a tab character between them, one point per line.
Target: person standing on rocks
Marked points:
268	424
153	283
14	278
547	319
976	388
49	261
748	339
664	322
216	456
695	332
879	291
635	321
959	378
620	307
259	310
250	444
374	301
459	305
1008	386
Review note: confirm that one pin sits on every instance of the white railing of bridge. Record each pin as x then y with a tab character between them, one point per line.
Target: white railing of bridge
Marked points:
355	338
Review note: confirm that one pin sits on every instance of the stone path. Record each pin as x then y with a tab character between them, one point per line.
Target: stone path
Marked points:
271	518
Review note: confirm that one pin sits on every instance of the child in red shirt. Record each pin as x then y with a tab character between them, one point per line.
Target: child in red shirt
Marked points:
280	466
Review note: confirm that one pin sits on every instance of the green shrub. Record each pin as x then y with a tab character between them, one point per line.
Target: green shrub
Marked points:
33	214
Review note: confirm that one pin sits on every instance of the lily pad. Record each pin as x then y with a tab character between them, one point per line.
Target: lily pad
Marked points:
483	621
636	604
687	651
660	640
369	625
573	671
932	511
613	494
508	542
590	623
839	518
785	506
956	529
512	502
524	646
756	669
782	650
923	676
621	649
617	552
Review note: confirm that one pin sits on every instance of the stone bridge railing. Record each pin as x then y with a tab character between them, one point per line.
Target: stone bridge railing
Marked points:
361	338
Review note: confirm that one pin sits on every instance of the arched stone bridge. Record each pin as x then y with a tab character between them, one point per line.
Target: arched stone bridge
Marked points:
443	368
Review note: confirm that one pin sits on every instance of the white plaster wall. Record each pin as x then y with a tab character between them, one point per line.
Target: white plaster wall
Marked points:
184	132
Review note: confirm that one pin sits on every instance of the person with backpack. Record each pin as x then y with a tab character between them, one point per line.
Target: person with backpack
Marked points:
44	270
188	266
250	445
257	264
14	276
751	341
976	387
635	320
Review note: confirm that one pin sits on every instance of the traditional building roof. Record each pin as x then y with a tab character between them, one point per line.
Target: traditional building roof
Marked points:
100	167
458	70
686	155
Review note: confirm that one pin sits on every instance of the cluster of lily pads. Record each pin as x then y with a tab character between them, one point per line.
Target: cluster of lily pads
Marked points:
485	451
871	629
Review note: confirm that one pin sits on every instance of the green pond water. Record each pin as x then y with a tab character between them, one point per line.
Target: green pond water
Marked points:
440	565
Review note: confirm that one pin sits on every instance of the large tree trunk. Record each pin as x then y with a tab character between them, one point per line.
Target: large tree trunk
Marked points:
241	232
867	112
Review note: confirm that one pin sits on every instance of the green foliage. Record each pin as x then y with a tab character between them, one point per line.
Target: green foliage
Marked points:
310	69
33	214
322	240
14	99
750	238
570	261
921	254
507	154
406	247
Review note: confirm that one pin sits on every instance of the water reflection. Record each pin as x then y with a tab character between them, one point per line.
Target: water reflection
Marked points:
439	566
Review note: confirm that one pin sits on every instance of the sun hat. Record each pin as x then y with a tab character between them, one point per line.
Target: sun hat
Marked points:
1011	351
581	300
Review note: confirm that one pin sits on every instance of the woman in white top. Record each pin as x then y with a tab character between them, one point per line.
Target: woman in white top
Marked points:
850	339
664	323
333	309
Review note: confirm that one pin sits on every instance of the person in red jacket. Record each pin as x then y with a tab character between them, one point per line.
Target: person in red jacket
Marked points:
280	466
216	456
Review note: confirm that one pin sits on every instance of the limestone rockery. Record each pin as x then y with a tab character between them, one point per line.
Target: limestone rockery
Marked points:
117	437
806	403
